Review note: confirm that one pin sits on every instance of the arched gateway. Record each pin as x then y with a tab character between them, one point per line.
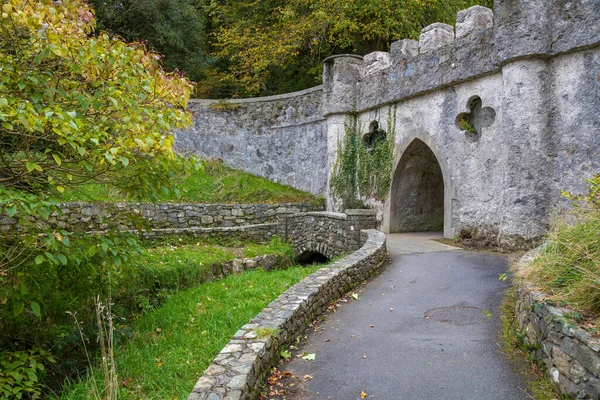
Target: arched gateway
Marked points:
421	194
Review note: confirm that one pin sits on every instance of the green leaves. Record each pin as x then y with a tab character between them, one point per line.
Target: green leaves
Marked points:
35	308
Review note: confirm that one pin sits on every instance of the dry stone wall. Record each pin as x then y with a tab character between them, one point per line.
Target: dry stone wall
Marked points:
570	354
165	217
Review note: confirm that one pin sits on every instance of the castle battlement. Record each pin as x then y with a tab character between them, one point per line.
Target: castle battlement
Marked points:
480	43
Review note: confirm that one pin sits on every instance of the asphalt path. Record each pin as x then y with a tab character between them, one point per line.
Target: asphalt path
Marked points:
426	328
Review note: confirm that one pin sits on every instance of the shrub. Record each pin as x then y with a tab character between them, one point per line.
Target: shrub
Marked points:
19	373
73	109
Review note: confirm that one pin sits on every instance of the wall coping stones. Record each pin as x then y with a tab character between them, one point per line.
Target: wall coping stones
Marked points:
243	364
363	212
571	355
260	99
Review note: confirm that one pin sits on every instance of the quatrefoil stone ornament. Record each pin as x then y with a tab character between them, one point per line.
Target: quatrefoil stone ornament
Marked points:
478	117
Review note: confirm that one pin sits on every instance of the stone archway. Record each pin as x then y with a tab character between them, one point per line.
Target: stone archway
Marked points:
417	197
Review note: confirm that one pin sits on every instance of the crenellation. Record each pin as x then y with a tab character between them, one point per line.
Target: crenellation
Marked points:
435	36
403	49
376	61
473	20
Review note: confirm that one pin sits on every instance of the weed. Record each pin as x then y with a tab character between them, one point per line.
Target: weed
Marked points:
265	332
173	344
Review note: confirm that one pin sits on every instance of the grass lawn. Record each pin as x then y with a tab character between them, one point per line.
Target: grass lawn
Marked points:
215	184
173	344
164	268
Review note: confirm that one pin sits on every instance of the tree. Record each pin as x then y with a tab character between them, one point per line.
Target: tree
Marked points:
74	109
261	40
177	29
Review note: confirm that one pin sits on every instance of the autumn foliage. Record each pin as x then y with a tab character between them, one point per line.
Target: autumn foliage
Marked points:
74	109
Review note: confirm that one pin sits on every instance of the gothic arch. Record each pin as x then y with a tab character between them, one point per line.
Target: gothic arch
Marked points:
427	146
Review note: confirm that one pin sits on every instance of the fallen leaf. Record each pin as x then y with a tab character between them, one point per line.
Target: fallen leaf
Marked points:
364	356
391	309
308	377
371	326
363	395
309	357
287	373
355	296
285	354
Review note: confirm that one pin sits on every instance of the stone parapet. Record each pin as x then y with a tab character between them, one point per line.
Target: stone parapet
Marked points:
244	364
484	41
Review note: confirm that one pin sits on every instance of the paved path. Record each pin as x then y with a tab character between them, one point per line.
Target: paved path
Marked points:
421	349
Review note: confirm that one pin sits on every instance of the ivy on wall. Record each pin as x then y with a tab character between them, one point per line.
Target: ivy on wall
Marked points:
363	168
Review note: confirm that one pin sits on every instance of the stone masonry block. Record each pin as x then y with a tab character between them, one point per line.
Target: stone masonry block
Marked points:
404	48
376	61
473	20
435	36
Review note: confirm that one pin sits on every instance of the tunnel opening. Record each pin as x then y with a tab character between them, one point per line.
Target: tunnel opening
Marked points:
417	197
311	257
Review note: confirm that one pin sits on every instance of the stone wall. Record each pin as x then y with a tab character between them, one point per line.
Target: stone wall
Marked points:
244	364
327	233
247	233
526	77
277	137
570	354
164	217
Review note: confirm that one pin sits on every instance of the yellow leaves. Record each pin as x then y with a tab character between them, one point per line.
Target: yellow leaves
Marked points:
7	8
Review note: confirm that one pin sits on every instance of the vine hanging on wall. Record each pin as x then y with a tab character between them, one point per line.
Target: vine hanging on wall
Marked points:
363	169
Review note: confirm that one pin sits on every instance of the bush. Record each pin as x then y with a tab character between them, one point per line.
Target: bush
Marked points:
74	109
19	373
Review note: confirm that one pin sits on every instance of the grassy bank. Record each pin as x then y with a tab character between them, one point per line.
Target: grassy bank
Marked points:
217	183
162	269
568	265
173	345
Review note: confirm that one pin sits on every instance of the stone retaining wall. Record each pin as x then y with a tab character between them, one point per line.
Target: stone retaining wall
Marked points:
244	364
278	137
570	354
165	216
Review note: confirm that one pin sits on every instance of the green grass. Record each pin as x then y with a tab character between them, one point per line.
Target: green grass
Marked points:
215	184
568	266
162	269
173	345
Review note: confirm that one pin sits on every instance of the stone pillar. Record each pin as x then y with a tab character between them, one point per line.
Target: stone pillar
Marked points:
527	148
341	75
522	28
357	220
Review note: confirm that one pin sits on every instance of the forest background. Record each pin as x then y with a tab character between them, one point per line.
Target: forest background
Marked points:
246	48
